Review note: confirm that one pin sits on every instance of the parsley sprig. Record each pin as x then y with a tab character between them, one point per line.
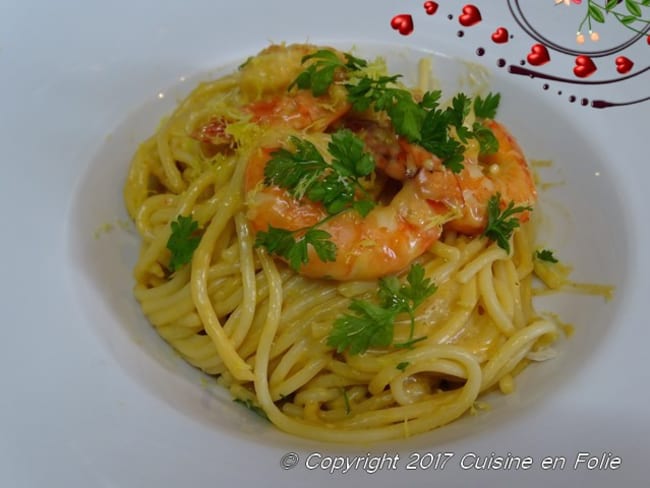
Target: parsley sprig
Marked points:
183	241
487	109
305	173
422	123
319	75
293	245
250	405
546	255
403	365
501	225
425	123
372	324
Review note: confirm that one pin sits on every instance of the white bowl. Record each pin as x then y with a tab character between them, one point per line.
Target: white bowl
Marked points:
103	264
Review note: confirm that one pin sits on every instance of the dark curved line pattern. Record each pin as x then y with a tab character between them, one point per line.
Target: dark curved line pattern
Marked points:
518	70
606	104
530	30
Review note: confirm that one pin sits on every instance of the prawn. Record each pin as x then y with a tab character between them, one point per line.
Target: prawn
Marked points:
301	111
385	241
266	78
394	155
505	172
272	70
264	82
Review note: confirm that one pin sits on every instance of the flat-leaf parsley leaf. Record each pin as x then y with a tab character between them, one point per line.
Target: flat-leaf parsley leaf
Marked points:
304	173
546	255
501	225
487	109
372	325
183	241
257	410
320	74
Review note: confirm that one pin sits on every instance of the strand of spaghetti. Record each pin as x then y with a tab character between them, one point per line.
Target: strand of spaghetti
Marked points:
459	315
288	362
300	378
492	305
518	316
172	174
200	266
190	320
162	292
344	370
449	253
317	395
424	74
269	330
144	213
514	350
197	347
484	259
174	332
136	188
523	252
503	289
389	371
399	381
173	177
170	307
330	380
486	340
158	245
444	271
469	247
364	404
242	318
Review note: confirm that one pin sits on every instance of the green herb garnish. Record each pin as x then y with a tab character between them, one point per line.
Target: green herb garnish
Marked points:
546	255
183	241
320	74
346	401
403	365
292	245
304	173
501	225
371	324
487	109
256	409
420	123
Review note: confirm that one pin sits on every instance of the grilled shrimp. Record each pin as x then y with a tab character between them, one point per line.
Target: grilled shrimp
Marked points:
385	241
505	172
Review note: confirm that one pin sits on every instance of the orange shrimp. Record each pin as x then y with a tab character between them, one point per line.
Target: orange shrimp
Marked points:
272	70
402	160
394	155
505	172
265	80
386	241
301	110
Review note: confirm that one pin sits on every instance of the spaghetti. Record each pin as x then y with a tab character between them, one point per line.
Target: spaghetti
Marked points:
263	323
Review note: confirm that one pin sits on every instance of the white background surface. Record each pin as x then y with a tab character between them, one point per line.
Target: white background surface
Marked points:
84	402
